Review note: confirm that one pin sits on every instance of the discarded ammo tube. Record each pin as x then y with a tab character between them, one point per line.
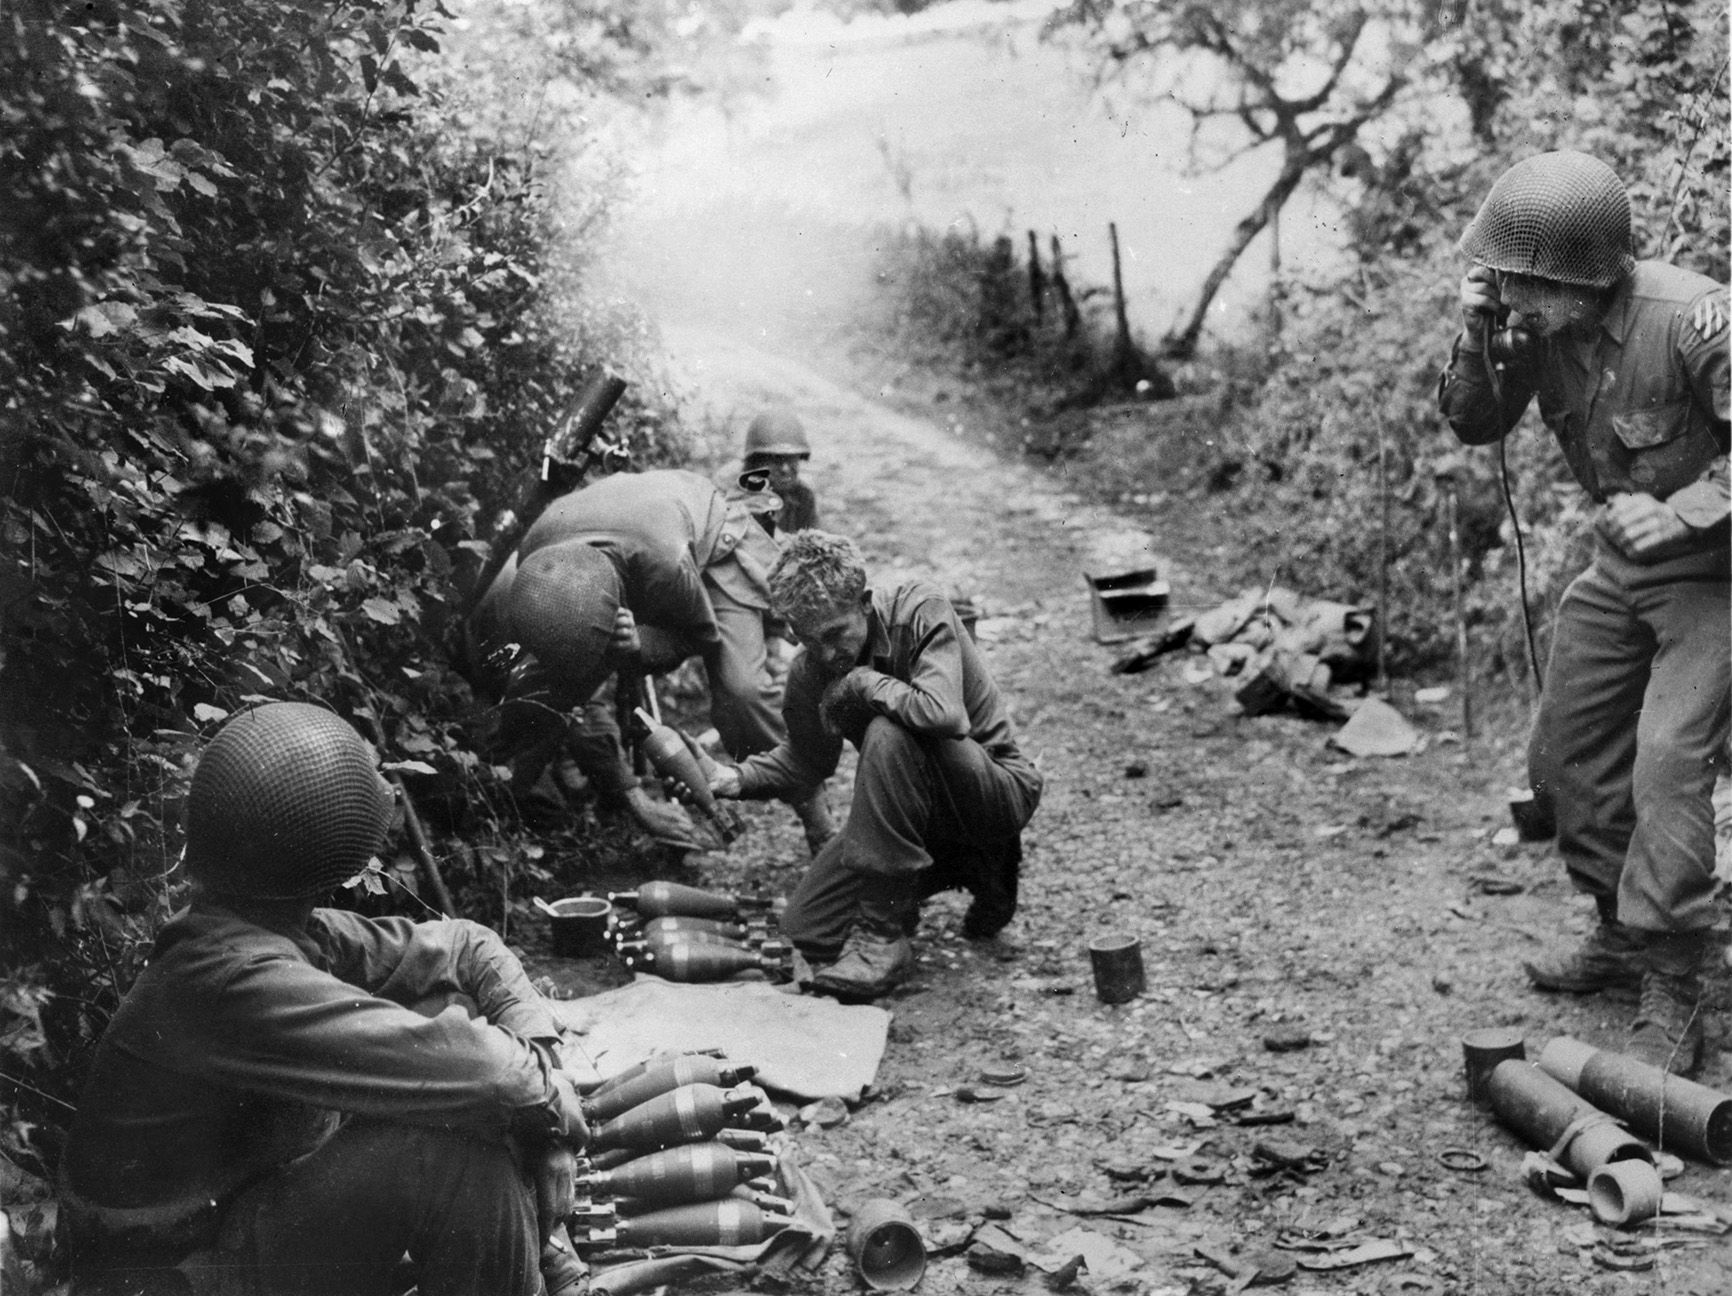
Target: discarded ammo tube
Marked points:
690	962
1625	1192
886	1248
673	1176
1118	968
1483	1049
1549	1116
688	1114
659	1076
714	1223
662	899
1678	1114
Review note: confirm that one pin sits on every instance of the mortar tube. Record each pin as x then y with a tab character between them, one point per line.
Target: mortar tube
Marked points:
1678	1114
1575	1132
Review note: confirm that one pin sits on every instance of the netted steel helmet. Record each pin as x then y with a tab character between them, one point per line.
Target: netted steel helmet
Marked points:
287	802
777	432
1562	216
562	606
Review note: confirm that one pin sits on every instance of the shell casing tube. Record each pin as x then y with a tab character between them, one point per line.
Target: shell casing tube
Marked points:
1678	1114
1550	1116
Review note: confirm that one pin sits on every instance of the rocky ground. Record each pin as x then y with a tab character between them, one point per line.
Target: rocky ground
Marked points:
1318	933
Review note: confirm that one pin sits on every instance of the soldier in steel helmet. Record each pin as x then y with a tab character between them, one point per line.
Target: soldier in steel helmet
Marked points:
942	791
776	446
1628	363
638	572
293	1098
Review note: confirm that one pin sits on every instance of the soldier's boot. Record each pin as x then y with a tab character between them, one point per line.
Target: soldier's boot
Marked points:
1667	1031
1609	958
877	955
815	818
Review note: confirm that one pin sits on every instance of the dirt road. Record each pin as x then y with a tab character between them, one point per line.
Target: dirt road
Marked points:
1282	891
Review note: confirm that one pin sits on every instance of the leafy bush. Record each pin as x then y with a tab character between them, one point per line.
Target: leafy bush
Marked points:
286	308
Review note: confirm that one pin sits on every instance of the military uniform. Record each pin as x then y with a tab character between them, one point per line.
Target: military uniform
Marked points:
691	567
1633	720
942	791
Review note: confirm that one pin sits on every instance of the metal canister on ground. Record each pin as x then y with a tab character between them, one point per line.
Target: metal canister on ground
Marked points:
1483	1049
1118	968
579	926
884	1245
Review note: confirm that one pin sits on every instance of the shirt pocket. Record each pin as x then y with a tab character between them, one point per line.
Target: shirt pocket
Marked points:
1654	426
1655	450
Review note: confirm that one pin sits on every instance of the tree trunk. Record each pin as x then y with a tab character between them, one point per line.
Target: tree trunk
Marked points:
1183	344
1123	353
1061	285
1036	281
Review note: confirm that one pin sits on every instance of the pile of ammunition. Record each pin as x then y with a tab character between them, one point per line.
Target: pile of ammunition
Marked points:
679	1155
685	933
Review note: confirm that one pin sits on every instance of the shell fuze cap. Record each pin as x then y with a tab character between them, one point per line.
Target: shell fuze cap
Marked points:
777	432
287	802
562	605
1562	216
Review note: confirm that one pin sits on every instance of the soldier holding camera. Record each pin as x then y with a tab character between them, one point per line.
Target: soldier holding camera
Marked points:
1628	362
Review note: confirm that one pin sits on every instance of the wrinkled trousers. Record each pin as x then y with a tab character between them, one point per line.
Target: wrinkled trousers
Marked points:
339	1222
916	800
1631	732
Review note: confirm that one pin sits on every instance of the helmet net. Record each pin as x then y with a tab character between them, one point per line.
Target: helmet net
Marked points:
562	605
286	803
1563	216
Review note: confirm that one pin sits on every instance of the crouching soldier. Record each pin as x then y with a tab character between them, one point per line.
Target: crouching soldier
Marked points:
295	1099
634	573
941	793
1628	363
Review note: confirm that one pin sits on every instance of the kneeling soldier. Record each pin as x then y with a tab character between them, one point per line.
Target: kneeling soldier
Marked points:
942	792
293	1099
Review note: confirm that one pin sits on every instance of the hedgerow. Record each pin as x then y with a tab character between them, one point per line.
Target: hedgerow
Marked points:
287	305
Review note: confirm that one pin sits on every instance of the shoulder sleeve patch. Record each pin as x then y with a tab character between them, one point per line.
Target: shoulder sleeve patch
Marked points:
1708	317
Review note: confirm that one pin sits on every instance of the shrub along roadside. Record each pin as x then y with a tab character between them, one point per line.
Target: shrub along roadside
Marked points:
284	317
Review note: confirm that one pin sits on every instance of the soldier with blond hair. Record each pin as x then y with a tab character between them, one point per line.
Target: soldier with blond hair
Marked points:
942	790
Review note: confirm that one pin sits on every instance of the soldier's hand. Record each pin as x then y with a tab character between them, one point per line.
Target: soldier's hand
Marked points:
1640	526
1480	300
725	780
625	637
555	1186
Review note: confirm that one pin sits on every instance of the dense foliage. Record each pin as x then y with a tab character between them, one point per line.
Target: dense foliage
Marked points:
289	297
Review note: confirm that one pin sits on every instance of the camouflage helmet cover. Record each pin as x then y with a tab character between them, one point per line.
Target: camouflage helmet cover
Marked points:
777	432
286	803
1562	216
561	607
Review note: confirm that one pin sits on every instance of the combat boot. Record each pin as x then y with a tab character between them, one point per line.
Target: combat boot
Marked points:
877	954
1667	1031
1609	958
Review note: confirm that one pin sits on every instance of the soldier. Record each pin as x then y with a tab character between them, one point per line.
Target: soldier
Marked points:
941	793
292	1098
776	446
1628	361
634	573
